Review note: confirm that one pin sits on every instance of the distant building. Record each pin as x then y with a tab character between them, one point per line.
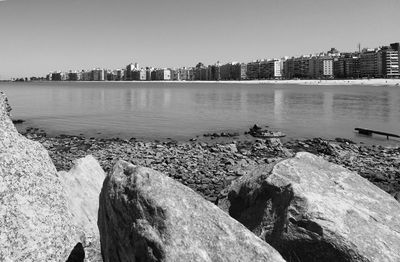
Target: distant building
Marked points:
74	76
139	75
200	72
253	70
237	71
320	67
390	61
371	63
183	74
120	74
98	74
262	70
214	72
163	74
86	75
347	66
56	76
297	67
274	69
129	71
270	69
148	73
225	71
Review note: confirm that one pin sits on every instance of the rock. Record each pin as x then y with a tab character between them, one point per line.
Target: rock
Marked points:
17	121
146	216
35	224
313	210
83	185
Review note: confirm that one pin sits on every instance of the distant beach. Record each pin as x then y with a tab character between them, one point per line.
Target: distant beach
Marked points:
339	82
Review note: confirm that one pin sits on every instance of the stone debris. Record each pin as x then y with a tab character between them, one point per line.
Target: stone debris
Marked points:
212	165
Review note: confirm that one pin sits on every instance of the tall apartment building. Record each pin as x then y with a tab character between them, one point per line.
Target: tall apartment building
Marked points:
262	69
200	72
288	68
74	76
225	71
274	70
390	61
238	71
183	73
129	71
153	75
347	65
139	75
233	71
297	67
320	67
163	74
214	72
149	71
56	76
120	74
270	69
86	75
371	63
111	75
98	74
253	70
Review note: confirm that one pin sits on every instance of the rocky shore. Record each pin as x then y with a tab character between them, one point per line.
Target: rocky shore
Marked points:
209	164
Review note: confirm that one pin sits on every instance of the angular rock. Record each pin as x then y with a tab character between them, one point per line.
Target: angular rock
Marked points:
35	224
147	216
83	185
313	210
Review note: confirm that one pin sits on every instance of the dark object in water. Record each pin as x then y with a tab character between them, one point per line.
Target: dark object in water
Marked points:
18	121
257	131
369	132
77	254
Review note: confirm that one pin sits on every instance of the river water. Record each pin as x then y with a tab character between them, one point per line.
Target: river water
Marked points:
181	111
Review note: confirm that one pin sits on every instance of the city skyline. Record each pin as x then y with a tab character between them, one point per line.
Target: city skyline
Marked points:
42	36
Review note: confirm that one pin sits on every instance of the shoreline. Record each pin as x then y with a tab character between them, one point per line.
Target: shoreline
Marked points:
208	167
314	82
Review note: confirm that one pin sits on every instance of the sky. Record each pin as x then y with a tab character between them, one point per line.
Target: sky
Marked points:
39	36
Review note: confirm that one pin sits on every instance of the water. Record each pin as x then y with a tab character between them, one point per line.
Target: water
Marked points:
184	110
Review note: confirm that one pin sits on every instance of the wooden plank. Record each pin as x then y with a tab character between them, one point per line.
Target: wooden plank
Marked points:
370	132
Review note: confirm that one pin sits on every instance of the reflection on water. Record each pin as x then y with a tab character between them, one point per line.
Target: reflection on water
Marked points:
183	110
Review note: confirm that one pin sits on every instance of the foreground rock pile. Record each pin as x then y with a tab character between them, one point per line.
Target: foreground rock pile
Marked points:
35	223
147	216
313	210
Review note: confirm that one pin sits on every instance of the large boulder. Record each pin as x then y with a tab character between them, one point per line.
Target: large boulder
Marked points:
313	210
147	216
83	185
35	224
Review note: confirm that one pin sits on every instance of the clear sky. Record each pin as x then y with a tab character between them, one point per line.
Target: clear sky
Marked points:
38	36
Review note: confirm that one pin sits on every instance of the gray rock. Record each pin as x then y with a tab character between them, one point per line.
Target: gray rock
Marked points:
83	185
313	210
147	216
35	224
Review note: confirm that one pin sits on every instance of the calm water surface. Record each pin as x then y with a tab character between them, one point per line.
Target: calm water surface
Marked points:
184	110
